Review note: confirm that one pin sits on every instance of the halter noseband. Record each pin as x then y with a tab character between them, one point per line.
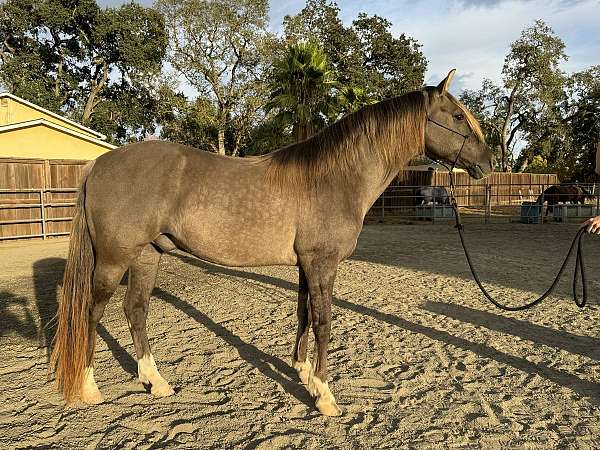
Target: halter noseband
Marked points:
464	136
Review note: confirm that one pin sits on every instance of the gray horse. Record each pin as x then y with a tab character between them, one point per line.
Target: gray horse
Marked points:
302	205
432	194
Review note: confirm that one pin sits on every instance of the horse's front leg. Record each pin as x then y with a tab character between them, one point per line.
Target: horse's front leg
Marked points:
299	360
320	274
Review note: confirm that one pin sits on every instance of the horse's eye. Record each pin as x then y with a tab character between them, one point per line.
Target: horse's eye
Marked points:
459	117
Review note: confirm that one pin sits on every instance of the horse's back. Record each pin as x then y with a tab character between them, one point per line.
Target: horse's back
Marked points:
160	157
218	208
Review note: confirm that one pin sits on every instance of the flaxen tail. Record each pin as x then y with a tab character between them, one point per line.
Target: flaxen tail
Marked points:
69	353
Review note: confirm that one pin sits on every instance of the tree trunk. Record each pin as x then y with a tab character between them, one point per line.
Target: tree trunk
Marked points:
503	153
221	141
523	165
504	139
235	151
59	75
92	100
88	109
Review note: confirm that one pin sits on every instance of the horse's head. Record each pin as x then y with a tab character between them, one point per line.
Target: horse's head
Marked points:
452	133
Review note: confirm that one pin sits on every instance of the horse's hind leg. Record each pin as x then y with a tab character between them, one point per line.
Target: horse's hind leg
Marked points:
106	279
299	360
142	276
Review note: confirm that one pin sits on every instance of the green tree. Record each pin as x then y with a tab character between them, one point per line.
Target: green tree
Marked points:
365	54
302	89
319	22
350	99
268	136
524	106
77	59
581	116
190	122
222	48
390	65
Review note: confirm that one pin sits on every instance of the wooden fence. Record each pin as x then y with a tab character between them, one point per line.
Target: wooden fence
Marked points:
37	197
507	188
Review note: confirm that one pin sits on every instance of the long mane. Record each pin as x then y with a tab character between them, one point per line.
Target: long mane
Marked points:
392	130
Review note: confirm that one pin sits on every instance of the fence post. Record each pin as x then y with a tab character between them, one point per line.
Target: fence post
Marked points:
597	199
433	209
43	206
488	202
542	207
510	191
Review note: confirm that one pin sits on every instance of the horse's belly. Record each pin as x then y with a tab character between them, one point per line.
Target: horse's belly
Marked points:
240	247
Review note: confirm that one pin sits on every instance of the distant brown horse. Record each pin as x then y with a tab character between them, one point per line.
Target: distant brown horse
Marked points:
562	193
302	205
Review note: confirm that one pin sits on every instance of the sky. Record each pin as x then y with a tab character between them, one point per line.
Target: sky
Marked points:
472	36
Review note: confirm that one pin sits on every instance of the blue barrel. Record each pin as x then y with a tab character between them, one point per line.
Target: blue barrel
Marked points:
531	212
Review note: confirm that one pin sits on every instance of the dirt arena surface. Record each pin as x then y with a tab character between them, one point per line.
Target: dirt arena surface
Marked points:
418	359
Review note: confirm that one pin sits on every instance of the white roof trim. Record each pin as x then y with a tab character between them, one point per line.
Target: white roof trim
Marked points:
50	113
44	122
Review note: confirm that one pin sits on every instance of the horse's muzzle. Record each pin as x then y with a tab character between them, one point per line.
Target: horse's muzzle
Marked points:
476	171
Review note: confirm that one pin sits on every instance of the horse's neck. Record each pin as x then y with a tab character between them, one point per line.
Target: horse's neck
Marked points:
372	180
375	173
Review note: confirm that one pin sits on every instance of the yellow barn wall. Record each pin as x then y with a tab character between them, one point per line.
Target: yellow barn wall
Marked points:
12	111
41	142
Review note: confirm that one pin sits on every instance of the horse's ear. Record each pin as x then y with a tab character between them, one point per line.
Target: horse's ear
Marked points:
445	84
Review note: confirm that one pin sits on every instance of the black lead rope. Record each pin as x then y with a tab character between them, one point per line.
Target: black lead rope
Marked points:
579	264
579	270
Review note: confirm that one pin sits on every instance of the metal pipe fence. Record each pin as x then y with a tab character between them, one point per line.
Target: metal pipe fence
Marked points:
489	203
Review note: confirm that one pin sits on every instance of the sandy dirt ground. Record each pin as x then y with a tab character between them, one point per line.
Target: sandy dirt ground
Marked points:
418	359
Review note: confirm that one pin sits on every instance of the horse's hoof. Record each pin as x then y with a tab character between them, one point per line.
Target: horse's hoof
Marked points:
91	396
162	390
328	408
325	403
303	369
90	393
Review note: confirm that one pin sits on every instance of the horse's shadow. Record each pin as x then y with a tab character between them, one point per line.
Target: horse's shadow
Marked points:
221	270
47	281
283	374
582	387
48	274
569	342
13	321
522	268
565	341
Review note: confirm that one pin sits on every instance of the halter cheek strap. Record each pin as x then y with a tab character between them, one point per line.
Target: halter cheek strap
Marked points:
451	170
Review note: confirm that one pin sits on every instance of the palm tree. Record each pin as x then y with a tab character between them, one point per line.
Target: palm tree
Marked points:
302	89
351	98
